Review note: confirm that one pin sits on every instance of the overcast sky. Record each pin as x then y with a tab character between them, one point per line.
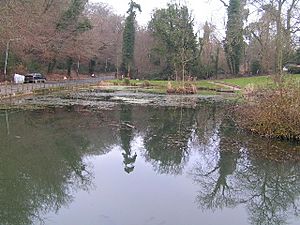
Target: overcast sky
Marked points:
203	10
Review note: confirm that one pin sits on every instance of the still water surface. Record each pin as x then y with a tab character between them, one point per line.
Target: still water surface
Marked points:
136	165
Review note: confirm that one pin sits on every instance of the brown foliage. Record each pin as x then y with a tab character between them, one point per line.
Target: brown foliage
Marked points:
186	89
31	29
272	112
144	43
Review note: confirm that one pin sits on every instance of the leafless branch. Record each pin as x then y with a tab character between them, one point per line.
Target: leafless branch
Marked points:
224	3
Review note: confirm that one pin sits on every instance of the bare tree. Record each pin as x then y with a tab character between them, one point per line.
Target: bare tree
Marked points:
287	20
143	46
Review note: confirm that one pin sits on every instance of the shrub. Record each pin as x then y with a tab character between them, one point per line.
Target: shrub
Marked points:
190	88
146	83
127	81
170	88
272	112
186	89
255	67
294	69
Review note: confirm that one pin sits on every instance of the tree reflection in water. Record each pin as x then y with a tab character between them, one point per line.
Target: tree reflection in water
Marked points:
166	139
220	190
126	135
269	189
171	134
36	178
231	168
234	168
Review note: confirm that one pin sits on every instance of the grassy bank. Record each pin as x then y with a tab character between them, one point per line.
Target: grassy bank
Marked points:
221	85
160	87
272	110
243	82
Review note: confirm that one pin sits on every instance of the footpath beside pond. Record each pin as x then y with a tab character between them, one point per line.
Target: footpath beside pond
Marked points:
10	90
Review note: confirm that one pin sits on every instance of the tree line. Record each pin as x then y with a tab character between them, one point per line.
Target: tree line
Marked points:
78	37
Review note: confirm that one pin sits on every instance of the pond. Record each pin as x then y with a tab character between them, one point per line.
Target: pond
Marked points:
136	164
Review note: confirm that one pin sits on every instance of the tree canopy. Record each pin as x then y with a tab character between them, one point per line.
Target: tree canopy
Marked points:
129	39
70	36
234	41
176	44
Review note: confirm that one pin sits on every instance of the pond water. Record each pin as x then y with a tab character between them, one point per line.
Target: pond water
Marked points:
131	164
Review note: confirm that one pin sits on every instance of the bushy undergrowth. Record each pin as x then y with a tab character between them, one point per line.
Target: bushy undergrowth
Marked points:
272	112
146	83
187	88
127	81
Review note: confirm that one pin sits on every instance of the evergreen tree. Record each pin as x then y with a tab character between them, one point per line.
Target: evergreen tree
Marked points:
176	42
234	42
70	18
129	39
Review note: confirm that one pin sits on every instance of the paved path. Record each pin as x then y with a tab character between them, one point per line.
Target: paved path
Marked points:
228	86
21	89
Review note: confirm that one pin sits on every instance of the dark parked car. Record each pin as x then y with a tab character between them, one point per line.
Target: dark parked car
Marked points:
34	78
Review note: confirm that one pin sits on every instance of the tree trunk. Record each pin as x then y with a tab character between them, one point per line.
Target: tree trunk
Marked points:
176	72
78	66
279	50
69	66
129	71
217	62
117	65
51	66
183	73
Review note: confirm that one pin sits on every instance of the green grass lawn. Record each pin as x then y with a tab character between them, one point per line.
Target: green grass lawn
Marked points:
257	81
162	84
244	81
